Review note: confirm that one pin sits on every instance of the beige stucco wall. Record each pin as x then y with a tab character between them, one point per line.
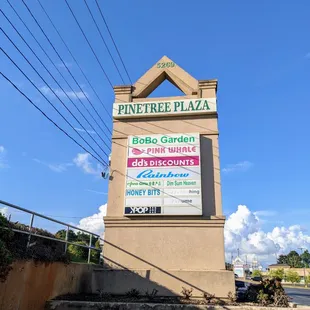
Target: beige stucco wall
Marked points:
28	285
161	246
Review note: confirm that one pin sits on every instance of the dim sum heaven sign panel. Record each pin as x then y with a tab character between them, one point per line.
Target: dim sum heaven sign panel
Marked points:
163	175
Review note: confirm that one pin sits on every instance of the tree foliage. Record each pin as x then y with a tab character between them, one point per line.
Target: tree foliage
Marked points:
305	257
78	253
277	273
256	273
293	259
292	276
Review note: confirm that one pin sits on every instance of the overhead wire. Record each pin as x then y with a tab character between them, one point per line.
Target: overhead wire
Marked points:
53	122
91	48
66	94
51	61
74	59
108	79
103	40
81	68
45	96
106	24
125	175
65	65
128	123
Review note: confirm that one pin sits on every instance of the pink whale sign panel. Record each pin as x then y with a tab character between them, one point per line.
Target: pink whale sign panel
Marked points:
163	175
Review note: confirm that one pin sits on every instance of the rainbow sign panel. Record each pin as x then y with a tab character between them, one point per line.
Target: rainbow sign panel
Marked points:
163	175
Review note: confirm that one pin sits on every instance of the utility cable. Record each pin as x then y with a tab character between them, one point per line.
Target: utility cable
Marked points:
106	24
44	114
46	97
63	62
76	62
88	43
60	87
57	69
103	40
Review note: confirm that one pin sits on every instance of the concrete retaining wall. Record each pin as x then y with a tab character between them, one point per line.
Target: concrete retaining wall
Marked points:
167	282
29	286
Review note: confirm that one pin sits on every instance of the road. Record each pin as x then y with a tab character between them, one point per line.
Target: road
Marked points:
300	296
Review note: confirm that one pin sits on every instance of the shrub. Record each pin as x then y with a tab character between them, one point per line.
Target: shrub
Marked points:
133	293
292	276
208	297
277	273
151	295
187	293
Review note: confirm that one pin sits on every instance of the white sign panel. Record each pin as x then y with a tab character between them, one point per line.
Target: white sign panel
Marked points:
164	108
163	175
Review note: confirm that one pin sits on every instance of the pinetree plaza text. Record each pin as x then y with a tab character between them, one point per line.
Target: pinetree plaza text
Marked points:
187	106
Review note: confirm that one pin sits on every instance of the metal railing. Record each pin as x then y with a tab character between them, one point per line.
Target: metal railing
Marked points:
31	231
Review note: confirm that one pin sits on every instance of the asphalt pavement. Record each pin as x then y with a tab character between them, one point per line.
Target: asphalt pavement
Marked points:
300	296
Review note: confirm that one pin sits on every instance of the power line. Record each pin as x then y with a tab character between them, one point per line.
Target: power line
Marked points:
82	70
88	43
76	62
125	175
60	88
106	24
92	16
57	69
46	97
62	130
156	144
63	62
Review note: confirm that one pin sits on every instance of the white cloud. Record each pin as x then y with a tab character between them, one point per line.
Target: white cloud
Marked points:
94	223
241	166
243	230
54	167
82	160
3	160
92	132
96	192
266	213
4	211
62	95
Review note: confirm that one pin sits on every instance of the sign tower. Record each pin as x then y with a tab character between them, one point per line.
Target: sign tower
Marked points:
164	227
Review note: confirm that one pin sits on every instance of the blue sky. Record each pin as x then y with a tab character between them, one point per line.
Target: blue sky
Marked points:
258	51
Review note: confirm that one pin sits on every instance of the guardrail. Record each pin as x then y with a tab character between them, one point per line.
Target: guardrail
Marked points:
31	231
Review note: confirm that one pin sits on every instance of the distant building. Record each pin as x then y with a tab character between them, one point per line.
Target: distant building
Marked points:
239	267
301	271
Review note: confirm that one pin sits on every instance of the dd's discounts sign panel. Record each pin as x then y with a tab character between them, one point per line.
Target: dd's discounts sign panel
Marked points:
163	175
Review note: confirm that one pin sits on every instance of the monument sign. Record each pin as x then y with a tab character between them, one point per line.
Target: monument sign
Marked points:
164	227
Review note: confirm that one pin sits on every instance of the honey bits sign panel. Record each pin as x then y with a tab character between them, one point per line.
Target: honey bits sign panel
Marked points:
163	175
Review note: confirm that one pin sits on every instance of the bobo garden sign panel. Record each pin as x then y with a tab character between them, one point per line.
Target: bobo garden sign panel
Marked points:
163	175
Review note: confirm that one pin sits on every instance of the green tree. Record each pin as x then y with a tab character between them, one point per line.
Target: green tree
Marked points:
305	257
61	234
282	259
276	273
292	276
307	279
257	273
78	253
294	260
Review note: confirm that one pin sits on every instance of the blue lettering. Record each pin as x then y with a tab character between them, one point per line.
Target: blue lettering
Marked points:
148	174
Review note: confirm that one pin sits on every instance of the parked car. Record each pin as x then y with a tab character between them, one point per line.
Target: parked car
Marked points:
257	279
